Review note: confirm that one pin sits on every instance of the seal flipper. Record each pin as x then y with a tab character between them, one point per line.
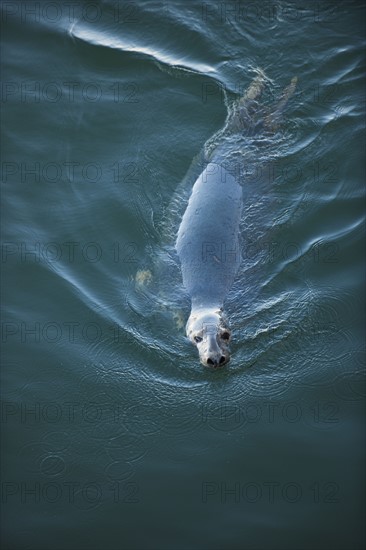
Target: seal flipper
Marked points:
245	111
249	116
274	119
254	91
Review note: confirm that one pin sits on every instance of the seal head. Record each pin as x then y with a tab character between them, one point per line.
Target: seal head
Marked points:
209	333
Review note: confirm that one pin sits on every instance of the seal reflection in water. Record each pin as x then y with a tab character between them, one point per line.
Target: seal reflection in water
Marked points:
208	238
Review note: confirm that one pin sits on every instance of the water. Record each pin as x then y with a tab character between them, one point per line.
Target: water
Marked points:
113	435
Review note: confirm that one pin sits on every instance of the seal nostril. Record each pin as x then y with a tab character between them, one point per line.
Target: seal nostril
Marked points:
222	359
210	362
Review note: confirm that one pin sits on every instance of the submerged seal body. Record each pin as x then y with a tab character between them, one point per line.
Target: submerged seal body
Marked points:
208	237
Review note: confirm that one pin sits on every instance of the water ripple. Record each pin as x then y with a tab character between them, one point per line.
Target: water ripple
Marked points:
166	58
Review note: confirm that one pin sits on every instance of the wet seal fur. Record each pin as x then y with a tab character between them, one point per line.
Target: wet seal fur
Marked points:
208	237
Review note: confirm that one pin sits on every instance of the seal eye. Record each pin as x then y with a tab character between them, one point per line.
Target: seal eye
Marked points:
197	339
225	335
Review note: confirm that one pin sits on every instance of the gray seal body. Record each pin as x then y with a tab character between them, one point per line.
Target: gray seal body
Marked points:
209	252
207	241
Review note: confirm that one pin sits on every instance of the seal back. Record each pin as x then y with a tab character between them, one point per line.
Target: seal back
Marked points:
207	241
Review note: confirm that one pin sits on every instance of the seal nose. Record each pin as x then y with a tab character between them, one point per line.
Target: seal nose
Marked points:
212	355
215	361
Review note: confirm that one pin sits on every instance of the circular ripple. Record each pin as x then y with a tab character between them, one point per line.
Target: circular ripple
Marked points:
52	465
181	419
351	386
119	471
127	448
59	441
32	456
89	497
138	420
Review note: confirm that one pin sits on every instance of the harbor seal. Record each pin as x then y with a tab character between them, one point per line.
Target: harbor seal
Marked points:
208	249
208	237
